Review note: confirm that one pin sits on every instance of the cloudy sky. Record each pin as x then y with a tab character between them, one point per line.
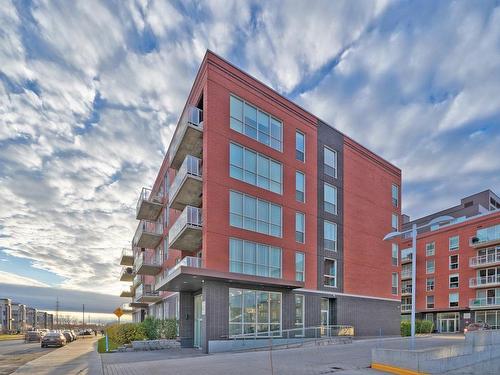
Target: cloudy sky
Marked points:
90	92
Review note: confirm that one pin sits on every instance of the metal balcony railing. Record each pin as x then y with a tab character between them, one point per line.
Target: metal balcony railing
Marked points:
484	281
191	166
126	273
126	307
147	227
486	235
484	302
146	259
187	261
127	252
145	290
192	116
405	274
484	260
406	307
137	280
406	290
190	216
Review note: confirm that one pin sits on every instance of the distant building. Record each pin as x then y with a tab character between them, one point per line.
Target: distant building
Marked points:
50	321
41	320
18	317
5	315
31	314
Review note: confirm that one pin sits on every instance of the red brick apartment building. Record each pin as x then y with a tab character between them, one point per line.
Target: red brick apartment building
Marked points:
263	219
458	265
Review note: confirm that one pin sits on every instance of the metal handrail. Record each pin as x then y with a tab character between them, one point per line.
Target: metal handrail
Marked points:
486	235
147	260
406	307
484	280
145	290
192	116
147	226
294	336
190	216
190	166
482	302
484	259
406	290
127	252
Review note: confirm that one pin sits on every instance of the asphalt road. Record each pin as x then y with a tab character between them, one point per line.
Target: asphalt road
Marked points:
15	353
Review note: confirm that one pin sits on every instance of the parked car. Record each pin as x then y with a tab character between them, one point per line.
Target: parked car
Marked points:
32	336
68	335
476	327
53	339
75	336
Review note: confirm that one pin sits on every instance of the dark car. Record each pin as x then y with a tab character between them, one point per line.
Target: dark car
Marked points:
68	336
476	327
32	336
53	339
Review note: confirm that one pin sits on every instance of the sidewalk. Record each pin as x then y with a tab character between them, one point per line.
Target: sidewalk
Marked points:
79	357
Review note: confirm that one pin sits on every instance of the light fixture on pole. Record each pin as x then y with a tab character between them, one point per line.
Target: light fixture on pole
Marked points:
414	230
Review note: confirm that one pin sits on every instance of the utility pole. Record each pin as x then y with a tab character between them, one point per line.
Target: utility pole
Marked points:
57	313
83	318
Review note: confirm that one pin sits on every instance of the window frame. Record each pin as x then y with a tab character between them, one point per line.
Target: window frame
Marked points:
427	262
303	215
329	276
395	247
335	240
335	196
303	305
256	264
457	301
452	266
394	215
450	282
297	131
450	248
428	249
394	277
302	272
427	301
303	200
397	195
335	153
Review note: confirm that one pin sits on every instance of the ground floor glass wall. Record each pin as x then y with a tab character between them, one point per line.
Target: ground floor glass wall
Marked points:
254	312
490	317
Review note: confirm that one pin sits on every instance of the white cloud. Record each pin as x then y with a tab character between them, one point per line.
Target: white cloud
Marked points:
12	278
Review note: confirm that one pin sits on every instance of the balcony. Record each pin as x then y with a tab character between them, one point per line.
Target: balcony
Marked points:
148	206
126	308
148	234
136	281
127	292
187	187
190	274
406	307
484	303
185	234
484	260
486	237
484	281
188	137
405	291
127	274
406	259
405	275
147	264
145	294
127	258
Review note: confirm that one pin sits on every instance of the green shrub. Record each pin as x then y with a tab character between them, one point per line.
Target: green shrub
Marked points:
125	333
421	326
169	329
152	327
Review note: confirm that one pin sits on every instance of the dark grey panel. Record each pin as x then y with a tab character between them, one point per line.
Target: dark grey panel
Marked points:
369	317
186	321
329	137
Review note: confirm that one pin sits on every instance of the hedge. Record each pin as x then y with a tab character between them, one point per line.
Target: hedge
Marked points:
421	326
151	328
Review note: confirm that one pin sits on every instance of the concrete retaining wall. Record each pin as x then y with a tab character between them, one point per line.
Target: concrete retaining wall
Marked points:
479	347
155	344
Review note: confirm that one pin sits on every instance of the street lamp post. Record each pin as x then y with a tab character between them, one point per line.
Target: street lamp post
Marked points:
414	230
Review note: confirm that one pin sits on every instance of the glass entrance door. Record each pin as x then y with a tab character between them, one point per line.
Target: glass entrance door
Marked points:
448	322
197	321
325	316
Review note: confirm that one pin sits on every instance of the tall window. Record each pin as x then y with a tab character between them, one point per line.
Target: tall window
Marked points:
299	314
300	266
300	186
430	284
330	235
330	162
395	195
300	227
430	266
330	198
395	222
453	262
255	123
395	279
331	272
453	243
453	299
254	168
430	249
254	312
254	259
430	302
300	146
453	281
254	214
395	252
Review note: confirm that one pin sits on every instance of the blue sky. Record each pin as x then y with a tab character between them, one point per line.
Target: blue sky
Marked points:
90	93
